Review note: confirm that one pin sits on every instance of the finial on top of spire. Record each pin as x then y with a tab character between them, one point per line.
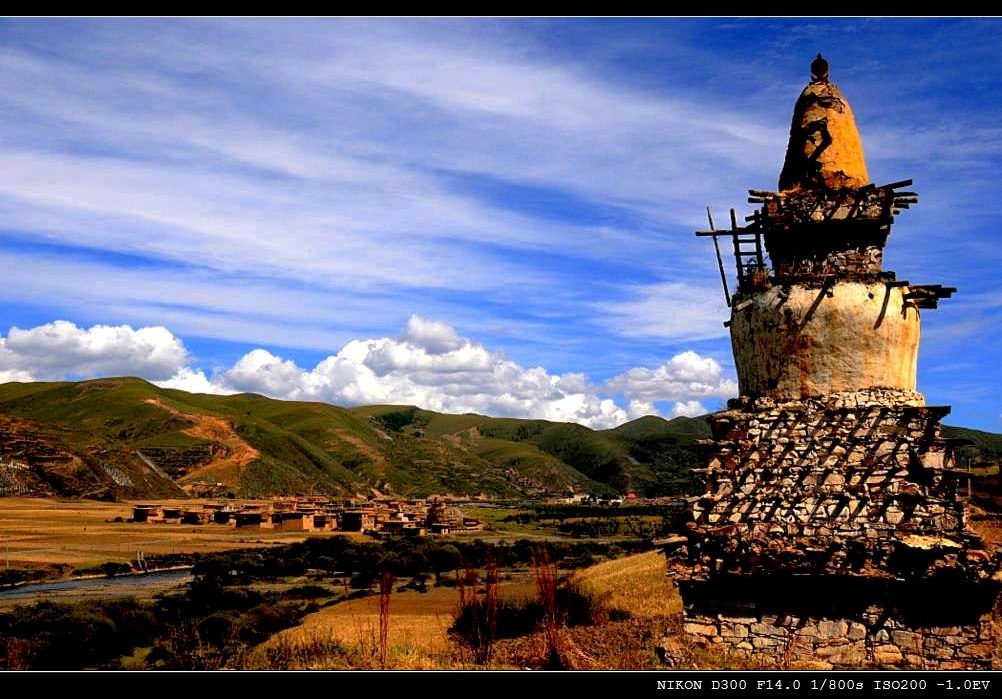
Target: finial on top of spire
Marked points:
819	69
825	149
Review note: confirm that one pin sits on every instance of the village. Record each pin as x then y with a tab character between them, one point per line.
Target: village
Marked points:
380	515
375	517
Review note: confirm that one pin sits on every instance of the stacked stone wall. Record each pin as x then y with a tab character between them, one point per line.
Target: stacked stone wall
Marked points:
831	533
869	641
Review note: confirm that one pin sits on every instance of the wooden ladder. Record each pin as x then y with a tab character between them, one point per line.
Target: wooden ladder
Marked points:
747	249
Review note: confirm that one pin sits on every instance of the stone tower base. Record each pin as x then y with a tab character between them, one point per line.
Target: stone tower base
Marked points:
831	531
838	624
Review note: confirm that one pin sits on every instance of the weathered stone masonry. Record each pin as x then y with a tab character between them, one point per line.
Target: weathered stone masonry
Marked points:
830	531
828	526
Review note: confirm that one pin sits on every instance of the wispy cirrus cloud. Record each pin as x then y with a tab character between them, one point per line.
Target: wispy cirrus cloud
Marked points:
369	201
299	183
668	309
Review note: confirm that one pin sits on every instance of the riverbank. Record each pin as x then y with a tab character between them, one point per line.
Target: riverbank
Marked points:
139	585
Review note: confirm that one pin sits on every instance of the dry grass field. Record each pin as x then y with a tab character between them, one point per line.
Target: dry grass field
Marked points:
345	635
80	534
417	633
988	526
634	584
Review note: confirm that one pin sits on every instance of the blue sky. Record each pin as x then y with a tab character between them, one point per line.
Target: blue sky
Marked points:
489	215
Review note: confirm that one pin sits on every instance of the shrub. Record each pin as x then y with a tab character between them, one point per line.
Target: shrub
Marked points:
478	617
51	636
309	592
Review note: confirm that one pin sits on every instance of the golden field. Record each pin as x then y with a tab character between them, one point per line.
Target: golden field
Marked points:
81	533
345	635
417	632
634	584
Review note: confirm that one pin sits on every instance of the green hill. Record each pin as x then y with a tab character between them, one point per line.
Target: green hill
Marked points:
982	455
124	437
985	447
650	455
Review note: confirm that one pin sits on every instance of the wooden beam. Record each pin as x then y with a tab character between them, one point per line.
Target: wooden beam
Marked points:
896	185
883	306
737	249
720	260
758	250
825	288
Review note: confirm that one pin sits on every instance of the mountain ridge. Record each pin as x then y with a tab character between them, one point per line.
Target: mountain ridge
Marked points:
118	437
125	437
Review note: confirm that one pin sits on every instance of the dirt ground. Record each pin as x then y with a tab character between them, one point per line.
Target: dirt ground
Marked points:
234	455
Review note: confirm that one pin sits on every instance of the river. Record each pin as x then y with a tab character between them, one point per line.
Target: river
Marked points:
72	590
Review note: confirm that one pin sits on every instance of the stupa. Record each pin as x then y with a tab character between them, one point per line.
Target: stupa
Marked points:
831	531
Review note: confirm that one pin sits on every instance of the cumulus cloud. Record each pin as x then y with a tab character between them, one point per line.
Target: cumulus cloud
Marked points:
689	408
686	375
429	364
192	381
61	349
432	366
7	375
433	336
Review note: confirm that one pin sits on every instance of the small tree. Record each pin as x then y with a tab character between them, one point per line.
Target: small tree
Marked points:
442	559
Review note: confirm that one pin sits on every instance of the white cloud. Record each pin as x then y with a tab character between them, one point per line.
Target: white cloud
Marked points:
192	381
8	375
435	337
429	365
9	371
686	375
60	348
691	408
357	175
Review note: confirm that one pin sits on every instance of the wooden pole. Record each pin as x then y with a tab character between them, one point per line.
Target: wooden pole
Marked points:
720	260
737	250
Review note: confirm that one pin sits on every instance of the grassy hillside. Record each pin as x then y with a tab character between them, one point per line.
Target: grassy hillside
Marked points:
125	437
982	456
126	424
986	447
650	455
